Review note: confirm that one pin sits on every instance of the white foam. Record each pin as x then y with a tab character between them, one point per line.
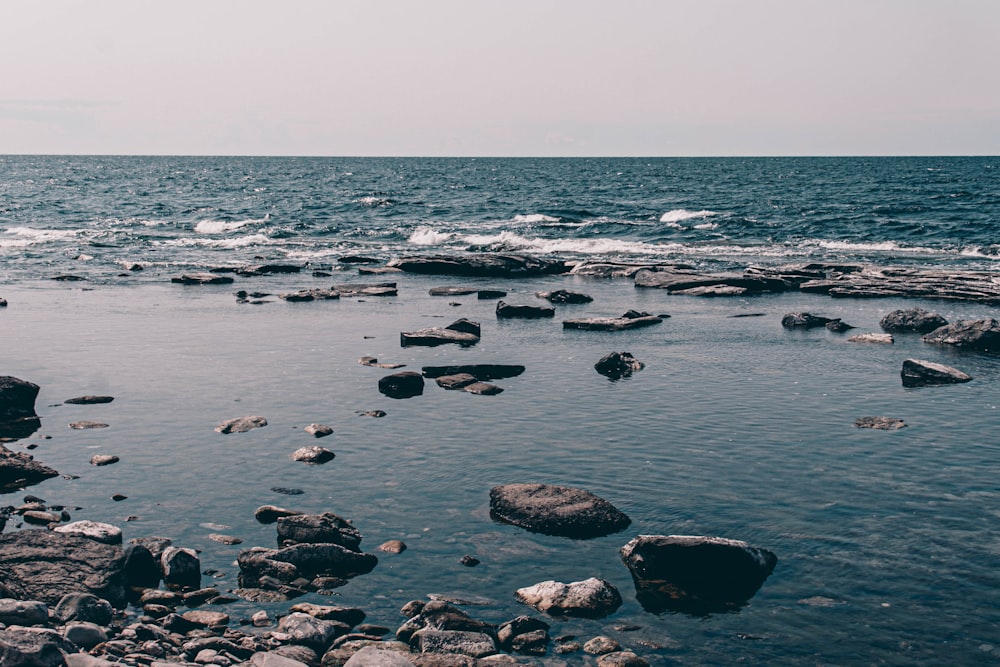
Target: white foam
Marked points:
428	236
532	218
223	226
42	235
707	225
238	242
681	214
373	201
881	246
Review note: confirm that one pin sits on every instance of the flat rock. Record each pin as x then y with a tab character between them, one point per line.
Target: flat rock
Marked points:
241	424
556	510
435	336
919	373
482	372
982	335
449	290
371	289
306	295
201	279
454	642
86	425
506	310
915	320
590	598
89	400
480	264
103	459
376	655
95	530
618	365
678	281
564	296
804	321
325	528
351	616
20	469
373	362
318	430
482	389
630	320
457	381
313	454
44	565
357	259
877	338
695	574
402	385
271	513
880	423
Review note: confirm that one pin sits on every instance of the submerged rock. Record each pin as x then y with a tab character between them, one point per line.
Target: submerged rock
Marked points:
982	335
202	279
695	574
241	424
452	291
89	400
564	296
618	365
402	385
919	373
506	311
916	320
880	423
556	510
804	321
480	264
373	289
590	598
482	372
87	424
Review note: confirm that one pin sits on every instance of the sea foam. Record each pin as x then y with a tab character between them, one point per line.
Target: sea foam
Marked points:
681	214
223	226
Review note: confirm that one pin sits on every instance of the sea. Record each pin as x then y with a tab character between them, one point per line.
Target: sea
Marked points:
887	541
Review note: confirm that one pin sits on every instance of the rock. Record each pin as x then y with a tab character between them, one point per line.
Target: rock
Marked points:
461	642
373	362
393	547
19	648
89	400
326	528
462	332
507	311
103	459
312	454
457	381
306	295
452	291
268	269
804	321
357	259
205	618
481	372
310	631
271	513
524	634
202	279
695	574
376	289
878	338
86	424
17	407
181	567
563	296
228	540
920	373
982	335
23	612
621	659
682	281
487	294
302	560
590	598
402	385
43	565
84	607
482	389
870	282
378	656
838	326
85	635
99	532
556	510
318	430
271	659
349	616
19	469
377	414
377	270
40	518
630	320
912	319
480	264
601	645
469	561
142	568
241	424
618	365
880	423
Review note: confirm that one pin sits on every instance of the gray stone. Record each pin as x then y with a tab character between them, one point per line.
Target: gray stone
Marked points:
83	607
21	648
457	381
915	320
89	400
622	659
314	454
99	532
301	561
695	574
601	645
271	513
86	660
201	279
556	510
274	660
804	321
521	634
590	598
473	644
310	631
23	612
435	336
241	424
564	296
19	469
86	425
506	310
482	389
920	373
375	656
880	423
318	430
402	385
326	528
311	295
84	634
181	567
350	616
982	335
103	459
618	365
627	321
877	338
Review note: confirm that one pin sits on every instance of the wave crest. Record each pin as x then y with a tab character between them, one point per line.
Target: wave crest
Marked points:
681	214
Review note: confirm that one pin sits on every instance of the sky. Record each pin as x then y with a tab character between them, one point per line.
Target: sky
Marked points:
501	78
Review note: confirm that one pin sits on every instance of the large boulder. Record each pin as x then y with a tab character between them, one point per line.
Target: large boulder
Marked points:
618	365
301	561
590	598
19	469
326	528
695	574
402	385
20	647
45	566
912	319
480	264
983	335
556	510
17	407
920	373
509	310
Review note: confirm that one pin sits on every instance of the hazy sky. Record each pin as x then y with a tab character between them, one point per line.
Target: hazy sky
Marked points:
501	77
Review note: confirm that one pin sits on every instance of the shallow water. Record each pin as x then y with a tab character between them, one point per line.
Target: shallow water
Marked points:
736	427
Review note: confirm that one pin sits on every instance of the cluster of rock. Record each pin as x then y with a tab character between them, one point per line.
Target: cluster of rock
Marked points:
470	378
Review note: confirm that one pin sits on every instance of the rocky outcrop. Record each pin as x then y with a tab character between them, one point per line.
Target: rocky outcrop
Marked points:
920	373
693	573
871	282
462	332
510	311
982	335
630	320
618	365
480	264
915	320
45	566
590	598
241	424
17	407
20	469
19	648
260	567
402	385
556	510
481	372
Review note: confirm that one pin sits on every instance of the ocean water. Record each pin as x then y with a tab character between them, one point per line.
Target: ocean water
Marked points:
886	541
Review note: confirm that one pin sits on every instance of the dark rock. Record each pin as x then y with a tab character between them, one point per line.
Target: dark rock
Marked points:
86	425
28	649
378	414
488	294
89	400
318	430
302	561
461	333
693	284
439	615
68	278
181	567
622	269
482	389
916	320
23	612
695	574
838	326
357	259
480	264
286	491
507	311
457	381
155	545
270	513
202	279
377	270
84	634
564	296
618	365
40	518
450	642
982	335
306	295
19	469
469	561
590	598
482	372
804	321
83	607
45	566
524	634
402	385
452	291
268	269
358	289
556	510
313	454
17	407
241	424
326	528
350	616
465	326
142	569
373	362
629	320
919	373
880	423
